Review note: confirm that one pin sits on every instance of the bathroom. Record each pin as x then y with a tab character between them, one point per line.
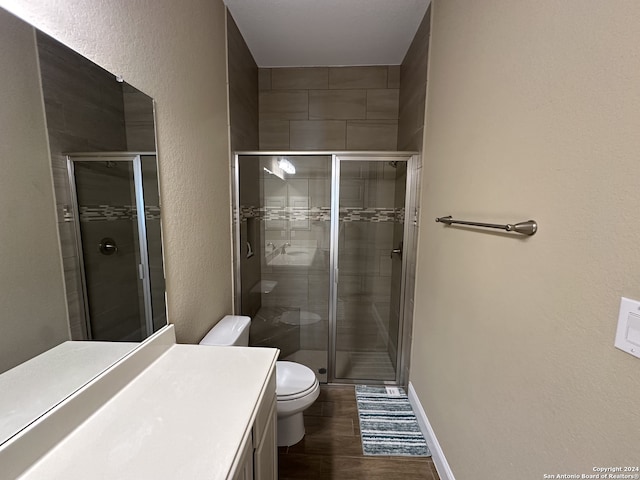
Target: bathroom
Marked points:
492	374
106	203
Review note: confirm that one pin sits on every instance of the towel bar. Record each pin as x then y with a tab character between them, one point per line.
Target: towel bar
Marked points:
525	228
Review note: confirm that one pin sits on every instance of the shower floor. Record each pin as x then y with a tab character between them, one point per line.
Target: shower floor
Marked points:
364	366
316	360
349	365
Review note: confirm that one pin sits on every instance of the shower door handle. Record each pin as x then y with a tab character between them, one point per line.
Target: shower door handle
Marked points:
397	250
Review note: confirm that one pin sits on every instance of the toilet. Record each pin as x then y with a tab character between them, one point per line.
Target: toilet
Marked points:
296	385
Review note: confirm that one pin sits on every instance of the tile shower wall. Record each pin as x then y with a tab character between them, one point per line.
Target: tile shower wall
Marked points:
243	91
154	240
251	248
295	220
139	120
413	88
364	260
86	110
413	91
243	123
329	108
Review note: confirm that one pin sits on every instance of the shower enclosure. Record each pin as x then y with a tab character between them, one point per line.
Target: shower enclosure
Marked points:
319	255
117	218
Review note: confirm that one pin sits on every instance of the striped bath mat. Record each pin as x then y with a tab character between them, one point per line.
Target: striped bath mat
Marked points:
388	425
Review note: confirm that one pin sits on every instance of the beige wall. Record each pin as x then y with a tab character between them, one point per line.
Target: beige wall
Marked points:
533	112
158	47
34	313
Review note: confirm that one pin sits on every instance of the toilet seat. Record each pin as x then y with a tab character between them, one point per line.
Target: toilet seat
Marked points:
294	381
296	396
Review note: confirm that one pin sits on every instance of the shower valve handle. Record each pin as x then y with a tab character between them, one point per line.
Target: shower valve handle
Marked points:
107	246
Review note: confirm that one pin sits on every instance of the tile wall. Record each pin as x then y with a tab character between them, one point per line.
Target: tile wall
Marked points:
243	124
243	91
251	248
364	313
295	219
139	120
413	90
154	240
329	108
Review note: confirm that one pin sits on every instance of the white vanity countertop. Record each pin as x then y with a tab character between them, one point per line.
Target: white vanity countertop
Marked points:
184	417
34	387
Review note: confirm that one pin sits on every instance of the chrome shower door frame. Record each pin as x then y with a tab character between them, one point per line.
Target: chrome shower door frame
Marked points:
403	347
143	273
411	202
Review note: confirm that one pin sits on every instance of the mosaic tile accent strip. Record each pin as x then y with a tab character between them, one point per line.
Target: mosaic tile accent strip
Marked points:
65	214
249	211
322	214
316	214
110	213
376	215
152	212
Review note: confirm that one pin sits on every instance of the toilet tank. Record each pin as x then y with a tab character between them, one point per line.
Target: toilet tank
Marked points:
231	330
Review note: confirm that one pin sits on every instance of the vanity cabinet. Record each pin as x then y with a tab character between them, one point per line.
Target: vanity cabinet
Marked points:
244	471
265	458
259	458
176	412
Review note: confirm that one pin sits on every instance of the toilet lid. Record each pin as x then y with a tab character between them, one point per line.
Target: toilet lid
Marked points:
293	379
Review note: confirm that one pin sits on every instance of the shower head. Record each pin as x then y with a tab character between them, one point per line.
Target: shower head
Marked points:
394	164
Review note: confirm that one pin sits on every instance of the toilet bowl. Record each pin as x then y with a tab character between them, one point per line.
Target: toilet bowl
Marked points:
296	385
297	388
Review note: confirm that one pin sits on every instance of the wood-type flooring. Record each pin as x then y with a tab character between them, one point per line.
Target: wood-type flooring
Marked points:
331	448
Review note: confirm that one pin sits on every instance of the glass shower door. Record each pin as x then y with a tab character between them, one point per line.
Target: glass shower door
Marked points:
369	273
112	238
149	171
284	251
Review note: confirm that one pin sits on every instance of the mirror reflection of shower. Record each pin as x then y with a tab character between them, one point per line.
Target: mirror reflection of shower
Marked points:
89	109
117	218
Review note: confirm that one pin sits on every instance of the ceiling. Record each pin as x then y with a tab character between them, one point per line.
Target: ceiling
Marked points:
304	33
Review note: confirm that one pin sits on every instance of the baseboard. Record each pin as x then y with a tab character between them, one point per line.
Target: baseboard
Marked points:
439	460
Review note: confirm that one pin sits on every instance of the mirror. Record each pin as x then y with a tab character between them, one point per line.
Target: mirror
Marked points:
80	212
